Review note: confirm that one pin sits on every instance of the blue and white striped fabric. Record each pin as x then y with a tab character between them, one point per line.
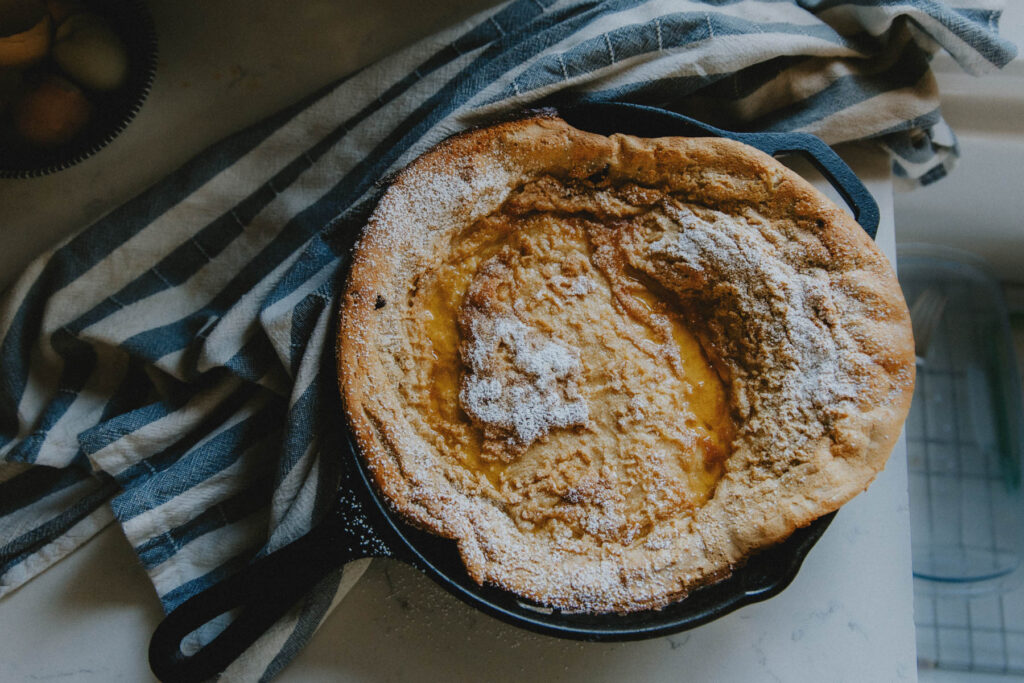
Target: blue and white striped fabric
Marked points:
171	366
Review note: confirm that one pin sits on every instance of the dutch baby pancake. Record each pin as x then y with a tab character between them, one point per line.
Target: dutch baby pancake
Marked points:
612	368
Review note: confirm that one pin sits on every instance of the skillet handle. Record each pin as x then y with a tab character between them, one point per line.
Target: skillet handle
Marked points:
265	591
828	163
645	121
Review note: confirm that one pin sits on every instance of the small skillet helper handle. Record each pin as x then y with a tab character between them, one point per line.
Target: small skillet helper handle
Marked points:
264	591
644	121
828	163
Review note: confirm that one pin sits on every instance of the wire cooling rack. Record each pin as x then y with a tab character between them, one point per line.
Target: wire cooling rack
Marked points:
953	482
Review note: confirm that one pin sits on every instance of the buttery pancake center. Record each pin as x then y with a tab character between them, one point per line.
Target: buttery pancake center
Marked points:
557	383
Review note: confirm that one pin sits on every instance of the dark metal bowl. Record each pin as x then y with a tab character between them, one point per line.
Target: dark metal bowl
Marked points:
112	111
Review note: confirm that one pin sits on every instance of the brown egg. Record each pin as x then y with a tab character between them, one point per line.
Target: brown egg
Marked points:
24	32
52	113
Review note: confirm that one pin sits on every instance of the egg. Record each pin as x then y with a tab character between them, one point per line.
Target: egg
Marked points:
51	113
89	51
24	32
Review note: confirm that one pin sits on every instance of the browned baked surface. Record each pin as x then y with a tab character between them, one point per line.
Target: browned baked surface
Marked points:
612	368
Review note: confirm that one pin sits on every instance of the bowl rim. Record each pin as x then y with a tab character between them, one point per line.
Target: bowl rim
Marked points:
147	30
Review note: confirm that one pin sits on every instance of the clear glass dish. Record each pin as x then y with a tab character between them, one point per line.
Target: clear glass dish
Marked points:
964	431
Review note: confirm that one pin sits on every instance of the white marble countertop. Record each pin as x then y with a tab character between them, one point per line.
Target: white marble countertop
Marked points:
227	63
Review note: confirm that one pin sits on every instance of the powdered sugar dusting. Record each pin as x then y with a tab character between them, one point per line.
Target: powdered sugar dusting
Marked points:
782	308
435	202
519	383
576	286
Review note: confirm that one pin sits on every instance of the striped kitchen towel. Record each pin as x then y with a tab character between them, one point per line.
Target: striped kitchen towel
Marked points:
170	367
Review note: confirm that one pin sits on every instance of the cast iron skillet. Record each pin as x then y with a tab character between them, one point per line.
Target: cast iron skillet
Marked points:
361	524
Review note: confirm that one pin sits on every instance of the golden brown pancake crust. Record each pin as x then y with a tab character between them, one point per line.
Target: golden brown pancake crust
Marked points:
613	368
